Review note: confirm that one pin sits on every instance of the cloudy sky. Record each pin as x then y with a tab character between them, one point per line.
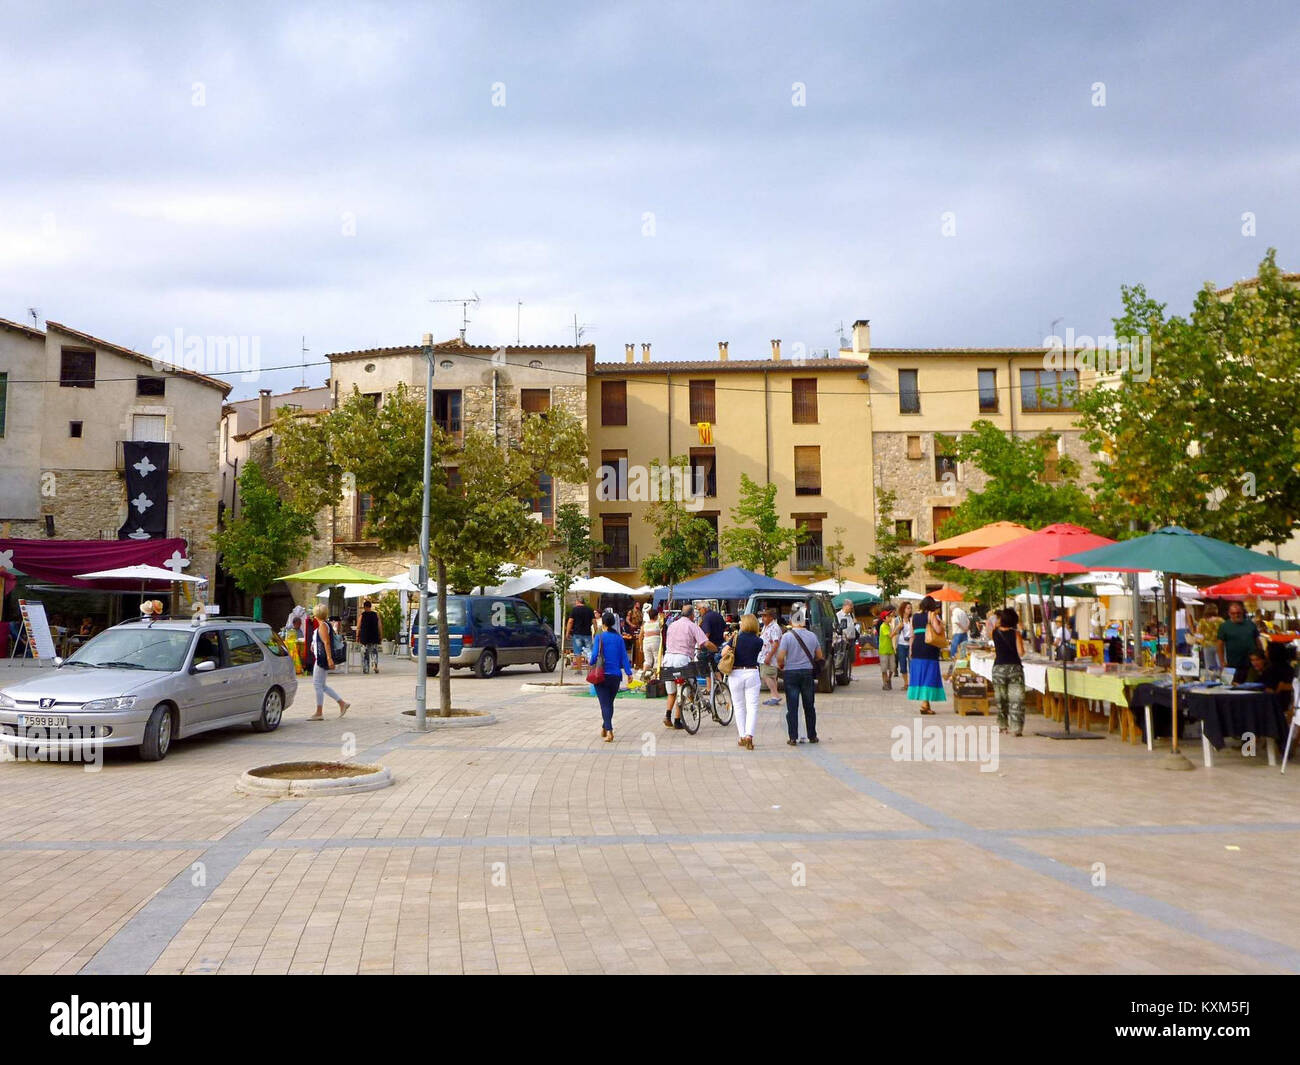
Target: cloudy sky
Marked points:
670	173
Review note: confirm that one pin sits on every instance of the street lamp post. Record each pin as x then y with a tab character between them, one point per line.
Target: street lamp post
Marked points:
422	676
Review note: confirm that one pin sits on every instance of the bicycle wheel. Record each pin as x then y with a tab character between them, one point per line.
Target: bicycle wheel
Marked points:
723	710
688	700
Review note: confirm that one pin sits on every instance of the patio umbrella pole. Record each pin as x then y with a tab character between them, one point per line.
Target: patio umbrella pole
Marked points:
1175	759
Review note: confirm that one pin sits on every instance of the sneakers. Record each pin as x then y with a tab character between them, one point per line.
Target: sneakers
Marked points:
771	702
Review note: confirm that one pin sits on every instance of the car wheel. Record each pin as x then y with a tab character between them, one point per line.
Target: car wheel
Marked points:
272	712
549	660
157	735
431	669
826	678
486	665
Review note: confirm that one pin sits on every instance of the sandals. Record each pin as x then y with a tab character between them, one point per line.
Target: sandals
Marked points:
344	707
749	743
609	736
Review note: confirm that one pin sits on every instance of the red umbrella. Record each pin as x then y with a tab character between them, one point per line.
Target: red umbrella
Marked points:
1253	586
1040	552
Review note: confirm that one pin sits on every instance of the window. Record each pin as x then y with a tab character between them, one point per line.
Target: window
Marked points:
803	400
149	427
77	369
939	515
704	471
613	403
711	561
1048	390
4	400
364	503
270	641
909	393
150	386
375	398
988	391
74	430
525	614
944	465
543	499
914	448
808	471
703	408
613	475
534	400
446	410
903	530
614	534
241	649
808	554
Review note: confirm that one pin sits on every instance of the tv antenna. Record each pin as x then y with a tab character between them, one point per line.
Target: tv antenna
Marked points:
844	341
465	305
304	350
35	312
580	331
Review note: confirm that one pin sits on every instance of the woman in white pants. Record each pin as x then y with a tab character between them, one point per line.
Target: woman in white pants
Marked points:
744	681
321	648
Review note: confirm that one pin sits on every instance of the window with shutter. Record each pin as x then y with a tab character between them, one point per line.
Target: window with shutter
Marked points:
808	554
807	471
614	534
535	400
704	471
703	408
909	392
613	403
612	475
803	400
914	448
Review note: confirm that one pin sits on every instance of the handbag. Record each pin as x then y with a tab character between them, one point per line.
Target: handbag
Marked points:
931	637
596	674
728	660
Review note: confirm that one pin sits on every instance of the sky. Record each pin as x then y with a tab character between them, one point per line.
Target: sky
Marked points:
961	174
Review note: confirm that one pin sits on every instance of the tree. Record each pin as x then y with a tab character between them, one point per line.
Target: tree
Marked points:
1018	489
1204	432
268	534
573	532
756	539
685	539
891	563
477	522
836	559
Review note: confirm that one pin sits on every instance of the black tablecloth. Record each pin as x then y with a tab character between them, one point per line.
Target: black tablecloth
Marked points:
1221	711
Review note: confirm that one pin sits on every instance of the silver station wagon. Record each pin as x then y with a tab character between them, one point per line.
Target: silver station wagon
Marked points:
147	683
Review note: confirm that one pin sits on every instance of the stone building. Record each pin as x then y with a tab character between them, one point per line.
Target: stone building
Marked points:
68	403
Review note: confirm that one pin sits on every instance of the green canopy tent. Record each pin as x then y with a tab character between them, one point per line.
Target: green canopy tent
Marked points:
1046	591
856	598
1177	552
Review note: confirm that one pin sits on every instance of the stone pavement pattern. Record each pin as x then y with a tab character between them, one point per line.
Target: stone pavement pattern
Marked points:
532	846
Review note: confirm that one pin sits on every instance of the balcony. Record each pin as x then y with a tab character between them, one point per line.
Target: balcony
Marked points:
619	556
808	556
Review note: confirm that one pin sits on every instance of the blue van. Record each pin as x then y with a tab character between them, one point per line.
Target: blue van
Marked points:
486	632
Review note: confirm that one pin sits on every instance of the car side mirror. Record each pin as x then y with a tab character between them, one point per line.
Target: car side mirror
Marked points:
58	661
206	666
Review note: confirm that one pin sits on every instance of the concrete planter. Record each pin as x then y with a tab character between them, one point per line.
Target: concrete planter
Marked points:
436	723
352	779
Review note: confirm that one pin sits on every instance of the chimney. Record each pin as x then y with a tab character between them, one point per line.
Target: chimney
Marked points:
426	341
629	352
263	407
776	350
645	352
862	336
722	350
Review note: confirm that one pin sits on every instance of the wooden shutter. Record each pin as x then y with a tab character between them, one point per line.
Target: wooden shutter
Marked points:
803	400
807	471
703	407
613	403
535	400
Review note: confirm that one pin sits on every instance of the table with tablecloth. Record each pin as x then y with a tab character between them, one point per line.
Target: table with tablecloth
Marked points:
1222	711
1035	672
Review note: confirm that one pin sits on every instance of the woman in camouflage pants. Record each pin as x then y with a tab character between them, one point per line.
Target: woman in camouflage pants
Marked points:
1009	673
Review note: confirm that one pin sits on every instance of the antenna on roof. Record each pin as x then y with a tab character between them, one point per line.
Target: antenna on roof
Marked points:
844	341
580	331
35	312
305	349
464	312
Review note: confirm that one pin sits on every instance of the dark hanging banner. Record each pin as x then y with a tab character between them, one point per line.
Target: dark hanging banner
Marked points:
146	490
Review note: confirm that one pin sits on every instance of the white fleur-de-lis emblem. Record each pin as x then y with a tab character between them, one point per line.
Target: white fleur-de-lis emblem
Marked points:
142	502
176	563
139	534
144	466
7	559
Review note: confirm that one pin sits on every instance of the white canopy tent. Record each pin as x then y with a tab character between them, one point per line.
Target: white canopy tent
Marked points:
602	586
836	587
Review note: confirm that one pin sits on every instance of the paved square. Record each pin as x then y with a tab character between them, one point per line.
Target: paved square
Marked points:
531	846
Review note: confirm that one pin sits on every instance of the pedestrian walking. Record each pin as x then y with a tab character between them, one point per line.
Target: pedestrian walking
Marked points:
715	628
901	633
681	639
926	684
651	630
1009	672
888	656
797	655
744	681
767	670
323	652
579	628
370	632
960	630
849	627
611	653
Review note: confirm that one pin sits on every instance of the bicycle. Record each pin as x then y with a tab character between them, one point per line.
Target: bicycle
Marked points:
693	702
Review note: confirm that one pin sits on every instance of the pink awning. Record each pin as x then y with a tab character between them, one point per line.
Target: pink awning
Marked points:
56	561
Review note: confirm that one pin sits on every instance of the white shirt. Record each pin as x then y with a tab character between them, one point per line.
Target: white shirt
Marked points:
771	635
960	620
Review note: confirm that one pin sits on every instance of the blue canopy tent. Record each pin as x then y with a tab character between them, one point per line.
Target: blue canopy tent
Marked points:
734	582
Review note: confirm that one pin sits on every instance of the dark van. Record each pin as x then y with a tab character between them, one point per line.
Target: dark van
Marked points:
486	632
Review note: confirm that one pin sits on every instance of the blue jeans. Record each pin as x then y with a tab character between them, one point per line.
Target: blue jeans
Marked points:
605	692
958	638
800	684
904	653
582	646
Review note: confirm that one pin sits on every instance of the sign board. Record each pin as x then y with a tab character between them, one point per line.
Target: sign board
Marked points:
38	629
213	611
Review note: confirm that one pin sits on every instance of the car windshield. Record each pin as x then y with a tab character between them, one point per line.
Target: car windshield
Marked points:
136	647
455	614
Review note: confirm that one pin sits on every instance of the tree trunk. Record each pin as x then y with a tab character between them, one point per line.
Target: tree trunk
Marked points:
560	637
444	645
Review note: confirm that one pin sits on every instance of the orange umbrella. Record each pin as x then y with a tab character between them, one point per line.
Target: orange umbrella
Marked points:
967	543
947	595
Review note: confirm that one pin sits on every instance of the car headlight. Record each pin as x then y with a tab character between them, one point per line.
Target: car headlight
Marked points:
8	702
121	702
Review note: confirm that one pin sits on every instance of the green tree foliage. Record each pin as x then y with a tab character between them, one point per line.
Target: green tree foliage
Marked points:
756	539
836	558
267	535
685	539
891	563
1211	439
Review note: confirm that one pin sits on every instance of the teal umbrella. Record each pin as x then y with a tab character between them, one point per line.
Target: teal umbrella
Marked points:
1178	552
856	598
1048	590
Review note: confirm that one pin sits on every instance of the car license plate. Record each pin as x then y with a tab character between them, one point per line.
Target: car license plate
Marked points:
43	720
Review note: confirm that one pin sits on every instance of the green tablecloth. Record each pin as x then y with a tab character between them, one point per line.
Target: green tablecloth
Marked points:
1104	687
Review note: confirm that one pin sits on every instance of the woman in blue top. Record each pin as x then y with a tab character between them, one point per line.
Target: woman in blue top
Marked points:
925	684
616	665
